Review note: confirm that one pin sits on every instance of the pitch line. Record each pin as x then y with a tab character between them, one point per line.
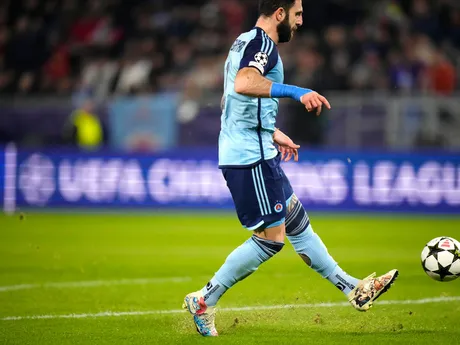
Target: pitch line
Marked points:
251	308
95	283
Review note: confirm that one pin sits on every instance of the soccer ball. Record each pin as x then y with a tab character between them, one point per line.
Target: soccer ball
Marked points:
441	259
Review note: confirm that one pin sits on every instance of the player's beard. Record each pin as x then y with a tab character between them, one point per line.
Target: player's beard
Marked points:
284	30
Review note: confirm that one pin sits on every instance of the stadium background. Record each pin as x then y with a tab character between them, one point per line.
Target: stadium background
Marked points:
109	119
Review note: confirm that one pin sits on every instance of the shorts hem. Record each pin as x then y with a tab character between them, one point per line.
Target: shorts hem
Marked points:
277	223
254	227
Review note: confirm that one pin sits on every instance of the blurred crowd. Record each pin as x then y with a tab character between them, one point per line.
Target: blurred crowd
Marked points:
112	47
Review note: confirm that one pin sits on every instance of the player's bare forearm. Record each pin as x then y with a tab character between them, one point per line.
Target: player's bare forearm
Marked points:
276	133
250	82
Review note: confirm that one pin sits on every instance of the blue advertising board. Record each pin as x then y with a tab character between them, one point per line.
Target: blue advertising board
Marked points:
143	123
323	180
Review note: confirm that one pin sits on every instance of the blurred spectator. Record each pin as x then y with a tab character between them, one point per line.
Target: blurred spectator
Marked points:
368	73
406	72
233	11
307	68
57	67
133	75
26	50
441	74
454	30
114	47
84	129
97	77
100	49
4	37
6	76
424	19
337	53
27	83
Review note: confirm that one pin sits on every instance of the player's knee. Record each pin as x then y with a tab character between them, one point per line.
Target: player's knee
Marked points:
297	219
270	247
274	232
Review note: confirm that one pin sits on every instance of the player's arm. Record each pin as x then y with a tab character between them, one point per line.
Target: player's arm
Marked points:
250	82
258	58
286	146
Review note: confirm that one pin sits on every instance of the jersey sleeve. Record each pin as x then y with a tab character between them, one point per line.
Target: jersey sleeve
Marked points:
260	53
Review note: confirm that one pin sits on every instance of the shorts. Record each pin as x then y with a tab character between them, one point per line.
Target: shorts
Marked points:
259	193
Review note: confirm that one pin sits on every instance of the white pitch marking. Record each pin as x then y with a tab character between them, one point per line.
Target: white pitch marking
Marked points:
253	308
94	283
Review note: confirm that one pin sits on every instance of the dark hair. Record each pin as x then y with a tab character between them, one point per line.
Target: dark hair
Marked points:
268	7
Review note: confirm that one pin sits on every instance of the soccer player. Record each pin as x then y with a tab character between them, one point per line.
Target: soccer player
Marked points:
250	162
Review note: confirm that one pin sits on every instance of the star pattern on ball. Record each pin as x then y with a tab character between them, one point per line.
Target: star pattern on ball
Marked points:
434	250
442	260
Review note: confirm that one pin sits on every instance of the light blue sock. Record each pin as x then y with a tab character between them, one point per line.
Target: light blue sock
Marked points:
313	251
342	280
243	261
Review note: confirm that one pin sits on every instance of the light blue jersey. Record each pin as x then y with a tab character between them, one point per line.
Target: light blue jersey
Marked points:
248	123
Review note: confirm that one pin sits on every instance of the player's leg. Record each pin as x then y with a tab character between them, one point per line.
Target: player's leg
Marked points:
243	261
259	197
259	203
310	247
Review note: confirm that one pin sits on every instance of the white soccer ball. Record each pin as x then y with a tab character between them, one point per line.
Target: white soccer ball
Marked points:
441	259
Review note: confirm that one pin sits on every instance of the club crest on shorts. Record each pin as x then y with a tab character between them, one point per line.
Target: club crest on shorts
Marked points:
278	207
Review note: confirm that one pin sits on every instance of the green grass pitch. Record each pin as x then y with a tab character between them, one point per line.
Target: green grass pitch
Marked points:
76	271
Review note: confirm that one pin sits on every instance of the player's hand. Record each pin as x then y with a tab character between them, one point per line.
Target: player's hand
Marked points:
286	146
313	100
288	153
